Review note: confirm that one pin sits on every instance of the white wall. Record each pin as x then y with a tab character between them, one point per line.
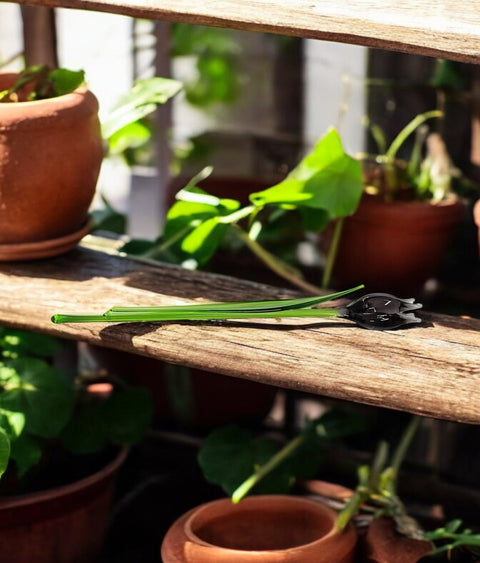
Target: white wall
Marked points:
335	92
10	34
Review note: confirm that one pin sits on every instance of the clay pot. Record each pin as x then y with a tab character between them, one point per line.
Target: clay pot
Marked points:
381	543
50	157
476	218
186	397
395	246
64	524
276	528
385	545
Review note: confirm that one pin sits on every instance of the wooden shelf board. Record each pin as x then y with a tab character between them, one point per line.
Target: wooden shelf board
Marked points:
440	28
432	369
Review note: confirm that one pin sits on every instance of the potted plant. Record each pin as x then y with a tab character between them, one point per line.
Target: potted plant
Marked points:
266	527
325	185
399	234
50	153
388	534
61	443
51	150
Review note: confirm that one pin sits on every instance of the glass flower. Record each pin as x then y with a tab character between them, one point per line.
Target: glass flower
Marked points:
381	311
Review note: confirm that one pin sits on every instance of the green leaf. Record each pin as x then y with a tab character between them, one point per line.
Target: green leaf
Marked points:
84	432
4	451
193	230
326	179
65	80
12	423
120	419
108	219
335	424
15	343
202	242
39	391
26	452
137	247
230	455
127	414
132	136
227	457
139	102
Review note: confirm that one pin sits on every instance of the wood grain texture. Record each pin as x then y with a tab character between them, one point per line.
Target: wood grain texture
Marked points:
432	369
439	28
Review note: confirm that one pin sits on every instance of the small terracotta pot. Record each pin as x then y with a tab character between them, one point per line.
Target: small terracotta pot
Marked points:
395	246
50	157
62	525
267	529
476	218
385	545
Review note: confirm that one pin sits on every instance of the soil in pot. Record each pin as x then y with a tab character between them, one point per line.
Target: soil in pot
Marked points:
50	157
61	524
265	528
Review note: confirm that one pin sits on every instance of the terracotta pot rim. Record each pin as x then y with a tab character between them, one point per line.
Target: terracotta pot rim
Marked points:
40	112
82	89
253	501
7	503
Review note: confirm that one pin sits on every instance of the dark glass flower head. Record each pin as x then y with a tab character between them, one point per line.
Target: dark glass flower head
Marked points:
381	311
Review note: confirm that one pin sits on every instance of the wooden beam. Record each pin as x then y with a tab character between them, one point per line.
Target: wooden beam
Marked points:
432	369
437	28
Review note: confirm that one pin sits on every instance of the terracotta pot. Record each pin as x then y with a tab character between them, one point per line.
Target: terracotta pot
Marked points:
268	529
63	525
476	218
385	545
187	397
395	246
50	157
381	543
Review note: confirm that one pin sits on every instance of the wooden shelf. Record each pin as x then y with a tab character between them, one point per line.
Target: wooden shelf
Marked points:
440	28
432	369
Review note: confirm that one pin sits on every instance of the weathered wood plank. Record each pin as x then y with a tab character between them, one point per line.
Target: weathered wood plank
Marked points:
440	28
432	370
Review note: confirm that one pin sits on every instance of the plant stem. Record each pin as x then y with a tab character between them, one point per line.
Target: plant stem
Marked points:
263	470
408	130
404	444
277	265
332	253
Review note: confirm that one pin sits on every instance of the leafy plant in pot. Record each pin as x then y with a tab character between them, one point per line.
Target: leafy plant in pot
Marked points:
270	526
388	533
61	442
50	153
399	234
325	185
51	150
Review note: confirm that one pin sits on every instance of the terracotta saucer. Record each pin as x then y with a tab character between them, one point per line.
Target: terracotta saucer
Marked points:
42	249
